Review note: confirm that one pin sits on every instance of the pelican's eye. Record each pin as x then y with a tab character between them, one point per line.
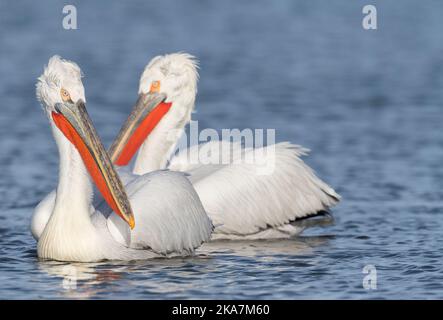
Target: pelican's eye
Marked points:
155	86
65	95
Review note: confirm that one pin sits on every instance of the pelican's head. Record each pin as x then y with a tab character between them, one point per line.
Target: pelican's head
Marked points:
62	95
168	81
174	75
60	82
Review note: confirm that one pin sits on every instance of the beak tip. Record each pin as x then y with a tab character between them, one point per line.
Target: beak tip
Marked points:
131	222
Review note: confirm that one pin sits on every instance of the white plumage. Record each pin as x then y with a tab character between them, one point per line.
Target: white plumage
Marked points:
168	212
244	200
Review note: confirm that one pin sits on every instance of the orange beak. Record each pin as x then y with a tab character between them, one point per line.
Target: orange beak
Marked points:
149	109
76	125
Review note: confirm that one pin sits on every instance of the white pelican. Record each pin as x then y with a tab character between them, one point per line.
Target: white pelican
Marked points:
166	219
241	203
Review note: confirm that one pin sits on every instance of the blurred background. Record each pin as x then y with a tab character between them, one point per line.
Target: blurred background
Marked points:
368	103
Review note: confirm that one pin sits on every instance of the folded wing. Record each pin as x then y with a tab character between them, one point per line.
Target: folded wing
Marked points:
270	189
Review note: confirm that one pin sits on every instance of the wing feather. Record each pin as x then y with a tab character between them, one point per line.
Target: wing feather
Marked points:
168	213
247	197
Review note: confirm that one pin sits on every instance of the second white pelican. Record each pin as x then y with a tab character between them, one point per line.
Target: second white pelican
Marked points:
241	203
166	219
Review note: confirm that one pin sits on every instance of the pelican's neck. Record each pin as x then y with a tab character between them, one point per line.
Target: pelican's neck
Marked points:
158	147
69	233
74	188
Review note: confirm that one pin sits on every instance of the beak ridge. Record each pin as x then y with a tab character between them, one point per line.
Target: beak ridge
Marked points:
75	123
147	112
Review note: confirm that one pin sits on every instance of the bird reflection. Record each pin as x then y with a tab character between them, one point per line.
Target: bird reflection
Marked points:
297	246
175	275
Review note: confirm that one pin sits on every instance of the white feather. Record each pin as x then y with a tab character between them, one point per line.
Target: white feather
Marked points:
42	213
244	200
169	214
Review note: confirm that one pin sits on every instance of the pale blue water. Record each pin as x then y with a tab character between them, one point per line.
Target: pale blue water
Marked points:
368	103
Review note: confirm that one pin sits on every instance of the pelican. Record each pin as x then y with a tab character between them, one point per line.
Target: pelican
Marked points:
158	214
241	203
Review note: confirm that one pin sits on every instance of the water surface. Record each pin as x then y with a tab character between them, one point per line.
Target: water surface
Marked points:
367	103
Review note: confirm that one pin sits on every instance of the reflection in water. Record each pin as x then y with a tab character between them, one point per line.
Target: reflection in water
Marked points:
298	246
77	280
175	275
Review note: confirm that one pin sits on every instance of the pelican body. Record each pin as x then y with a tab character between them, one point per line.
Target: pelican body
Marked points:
241	203
157	214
